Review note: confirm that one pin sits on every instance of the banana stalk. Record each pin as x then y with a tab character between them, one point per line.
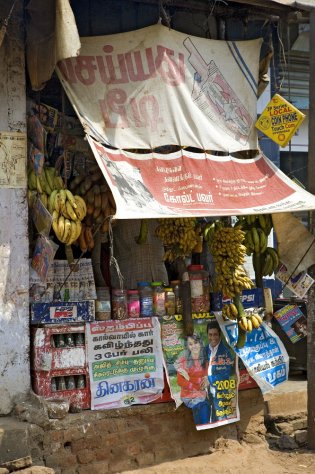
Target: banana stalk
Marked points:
258	270
143	235
241	333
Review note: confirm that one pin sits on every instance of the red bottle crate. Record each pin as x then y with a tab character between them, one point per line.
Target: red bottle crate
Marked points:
45	356
43	385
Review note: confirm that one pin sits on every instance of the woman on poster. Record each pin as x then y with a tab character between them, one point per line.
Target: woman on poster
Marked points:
192	370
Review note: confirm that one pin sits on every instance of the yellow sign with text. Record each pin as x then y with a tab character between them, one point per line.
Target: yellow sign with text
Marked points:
280	120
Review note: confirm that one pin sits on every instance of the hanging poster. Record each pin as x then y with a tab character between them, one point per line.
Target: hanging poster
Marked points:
125	362
292	321
299	284
202	371
156	86
263	355
196	184
12	160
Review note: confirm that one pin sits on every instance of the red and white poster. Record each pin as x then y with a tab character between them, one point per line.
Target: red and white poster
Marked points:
196	184
156	86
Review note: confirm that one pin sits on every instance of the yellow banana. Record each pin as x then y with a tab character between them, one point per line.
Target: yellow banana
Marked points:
244	322
255	321
57	202
67	231
70	211
241	325
233	309
63	198
80	200
73	232
70	198
51	201
55	217
249	325
61	228
258	317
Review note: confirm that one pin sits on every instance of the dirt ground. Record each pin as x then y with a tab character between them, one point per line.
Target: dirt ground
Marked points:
236	458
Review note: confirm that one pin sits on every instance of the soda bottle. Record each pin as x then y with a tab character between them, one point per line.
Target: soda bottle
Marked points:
70	382
80	381
61	384
69	340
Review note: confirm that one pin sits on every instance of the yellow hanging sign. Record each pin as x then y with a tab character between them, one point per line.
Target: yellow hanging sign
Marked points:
280	120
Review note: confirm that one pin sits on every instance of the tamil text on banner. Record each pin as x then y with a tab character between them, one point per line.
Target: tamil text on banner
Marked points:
156	86
125	362
196	184
263	355
202	371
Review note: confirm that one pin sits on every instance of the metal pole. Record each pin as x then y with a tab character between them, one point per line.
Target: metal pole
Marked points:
311	271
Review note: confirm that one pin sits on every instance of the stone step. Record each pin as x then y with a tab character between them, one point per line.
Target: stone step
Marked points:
14	439
289	399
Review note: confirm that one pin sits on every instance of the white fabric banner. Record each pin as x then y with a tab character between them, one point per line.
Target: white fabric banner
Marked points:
196	184
156	86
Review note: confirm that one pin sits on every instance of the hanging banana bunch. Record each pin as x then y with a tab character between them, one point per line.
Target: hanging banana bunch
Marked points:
265	259
179	236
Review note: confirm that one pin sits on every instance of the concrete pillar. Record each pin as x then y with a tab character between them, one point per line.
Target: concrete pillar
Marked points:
14	272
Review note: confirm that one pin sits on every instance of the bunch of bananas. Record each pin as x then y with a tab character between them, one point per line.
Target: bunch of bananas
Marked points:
257	228
179	236
67	213
247	320
43	185
86	238
228	254
100	203
229	311
270	261
250	321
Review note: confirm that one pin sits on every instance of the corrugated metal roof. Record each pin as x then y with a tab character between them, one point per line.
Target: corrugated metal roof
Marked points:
306	5
303	5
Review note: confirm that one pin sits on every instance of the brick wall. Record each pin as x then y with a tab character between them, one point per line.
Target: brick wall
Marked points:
112	441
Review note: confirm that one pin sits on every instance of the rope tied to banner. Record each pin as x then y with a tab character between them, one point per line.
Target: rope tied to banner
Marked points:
112	258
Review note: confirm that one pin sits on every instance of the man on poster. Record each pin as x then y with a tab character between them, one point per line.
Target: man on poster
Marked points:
222	379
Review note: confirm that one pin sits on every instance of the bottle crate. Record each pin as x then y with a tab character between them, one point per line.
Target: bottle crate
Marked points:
70	384
58	347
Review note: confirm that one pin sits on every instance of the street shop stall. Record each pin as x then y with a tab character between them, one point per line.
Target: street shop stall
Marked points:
99	345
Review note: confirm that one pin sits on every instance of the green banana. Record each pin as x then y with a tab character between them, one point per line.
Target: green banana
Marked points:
275	257
263	241
256	240
267	265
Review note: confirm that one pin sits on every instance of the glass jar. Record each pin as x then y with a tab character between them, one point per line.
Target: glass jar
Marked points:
146	299
102	304
158	295
200	288
170	305
175	284
133	303
119	304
